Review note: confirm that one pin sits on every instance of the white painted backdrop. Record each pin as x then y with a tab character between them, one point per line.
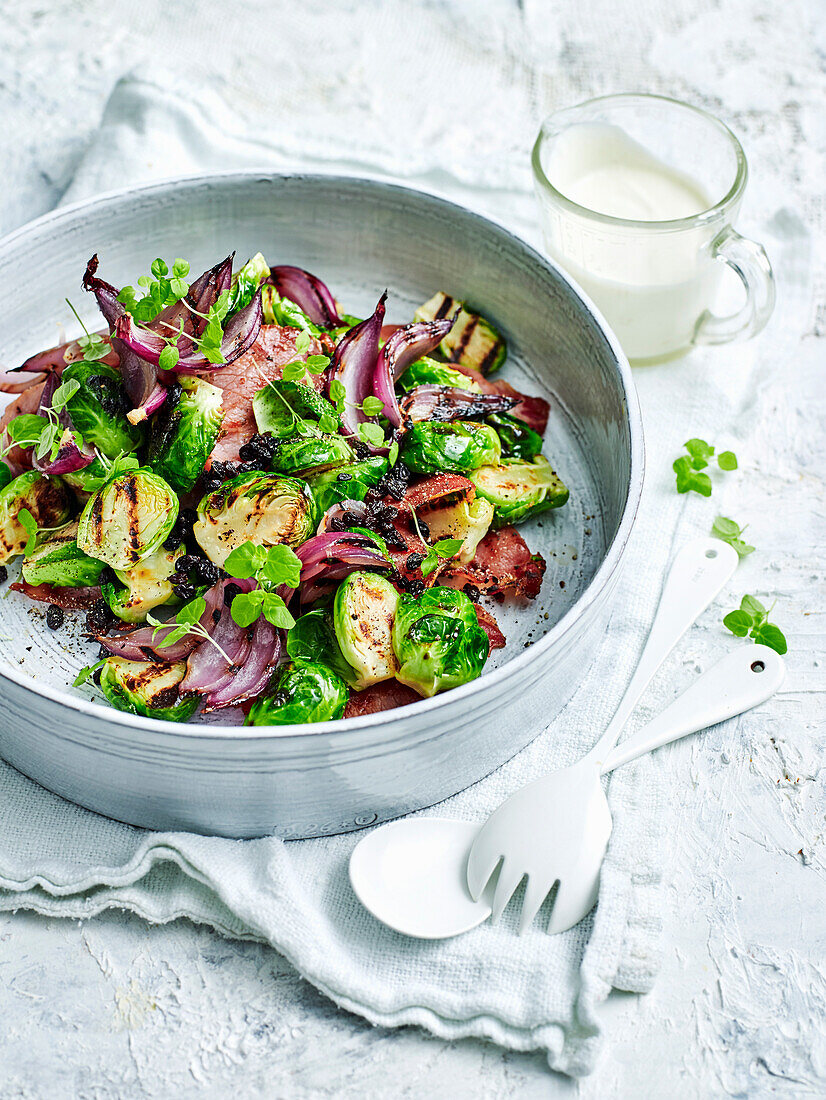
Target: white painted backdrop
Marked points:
114	1008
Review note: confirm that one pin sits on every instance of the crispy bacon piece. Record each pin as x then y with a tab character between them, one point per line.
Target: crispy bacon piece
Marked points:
503	567
533	410
73	599
431	491
384	696
490	627
241	380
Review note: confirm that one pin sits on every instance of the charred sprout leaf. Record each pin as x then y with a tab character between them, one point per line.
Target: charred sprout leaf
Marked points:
351	482
146	688
731	532
309	692
464	445
28	504
98	406
101	472
246	281
312	454
363	612
5	475
519	490
281	311
286	409
429	372
473	341
184	432
29	524
752	619
60	563
518	440
444	548
313	638
438	641
135	592
128	519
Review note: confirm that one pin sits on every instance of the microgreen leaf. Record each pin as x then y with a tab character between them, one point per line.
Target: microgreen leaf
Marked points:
727	460
752	619
191	612
87	671
700	452
169	357
282	566
372	406
393	453
738	622
689	478
752	606
338	394
246	607
25	429
245	560
772	636
275	611
5	475
371	433
728	530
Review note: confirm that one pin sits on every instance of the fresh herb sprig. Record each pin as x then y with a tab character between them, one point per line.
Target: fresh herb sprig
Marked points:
690	467
752	619
45	433
271	567
368	431
160	289
443	549
728	530
87	671
186	621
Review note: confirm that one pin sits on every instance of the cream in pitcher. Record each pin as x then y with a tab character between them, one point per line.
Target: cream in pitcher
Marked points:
638	195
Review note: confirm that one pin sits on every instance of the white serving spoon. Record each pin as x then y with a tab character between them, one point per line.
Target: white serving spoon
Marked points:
698	573
411	874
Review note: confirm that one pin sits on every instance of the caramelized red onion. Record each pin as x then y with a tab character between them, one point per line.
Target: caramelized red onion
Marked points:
69	457
446	403
72	599
267	650
404	347
354	364
331	557
308	293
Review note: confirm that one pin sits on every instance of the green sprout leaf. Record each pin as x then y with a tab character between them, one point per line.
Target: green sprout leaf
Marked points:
772	636
275	611
738	622
372	406
699	451
688	469
168	357
29	525
282	566
444	548
393	453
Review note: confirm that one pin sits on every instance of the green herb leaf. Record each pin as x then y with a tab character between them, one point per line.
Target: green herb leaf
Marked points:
727	460
738	622
371	433
728	530
282	566
169	357
276	612
245	560
191	612
338	394
87	671
372	406
772	636
447	548
393	453
700	452
753	607
293	372
689	479
26	429
5	475
328	424
246	607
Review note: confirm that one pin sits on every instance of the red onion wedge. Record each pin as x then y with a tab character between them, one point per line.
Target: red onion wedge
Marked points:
331	557
153	402
354	364
446	403
73	599
267	650
404	347
69	457
308	293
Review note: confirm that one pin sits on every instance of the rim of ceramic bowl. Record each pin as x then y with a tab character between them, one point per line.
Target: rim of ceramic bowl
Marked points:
367	723
711	213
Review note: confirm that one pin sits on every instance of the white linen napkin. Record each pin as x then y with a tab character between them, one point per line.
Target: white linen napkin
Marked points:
525	993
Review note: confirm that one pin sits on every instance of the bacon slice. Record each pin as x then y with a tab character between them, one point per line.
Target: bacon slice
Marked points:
503	567
387	695
490	627
431	491
533	410
241	380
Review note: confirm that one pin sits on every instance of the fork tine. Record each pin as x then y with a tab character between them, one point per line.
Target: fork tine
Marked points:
536	891
479	872
510	875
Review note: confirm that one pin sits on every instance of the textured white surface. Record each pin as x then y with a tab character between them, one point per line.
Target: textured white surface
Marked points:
115	1008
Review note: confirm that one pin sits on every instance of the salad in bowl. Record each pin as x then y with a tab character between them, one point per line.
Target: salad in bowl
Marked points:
261	502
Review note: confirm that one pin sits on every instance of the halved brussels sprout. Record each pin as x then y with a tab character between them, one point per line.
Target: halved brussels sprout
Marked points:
308	692
465	520
128	519
61	563
427	371
277	405
148	688
144	586
351	482
266	509
46	498
519	490
363	612
98	409
432	448
184	434
517	439
438	641
313	638
472	341
312	455
246	281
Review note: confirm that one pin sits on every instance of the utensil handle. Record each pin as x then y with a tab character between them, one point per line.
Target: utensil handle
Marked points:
742	679
699	571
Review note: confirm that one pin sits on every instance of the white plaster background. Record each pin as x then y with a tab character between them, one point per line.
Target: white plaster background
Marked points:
115	1008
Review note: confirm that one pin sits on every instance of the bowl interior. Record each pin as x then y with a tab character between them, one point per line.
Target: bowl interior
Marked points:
360	237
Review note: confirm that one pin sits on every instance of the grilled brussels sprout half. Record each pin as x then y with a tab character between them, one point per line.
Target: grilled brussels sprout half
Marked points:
465	520
472	341
143	587
313	454
363	612
185	432
46	498
438	641
519	490
287	409
428	372
313	638
147	688
61	563
98	409
517	439
431	448
308	692
350	482
266	509
128	519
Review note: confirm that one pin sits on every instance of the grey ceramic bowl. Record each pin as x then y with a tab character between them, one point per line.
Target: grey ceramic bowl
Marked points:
360	237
